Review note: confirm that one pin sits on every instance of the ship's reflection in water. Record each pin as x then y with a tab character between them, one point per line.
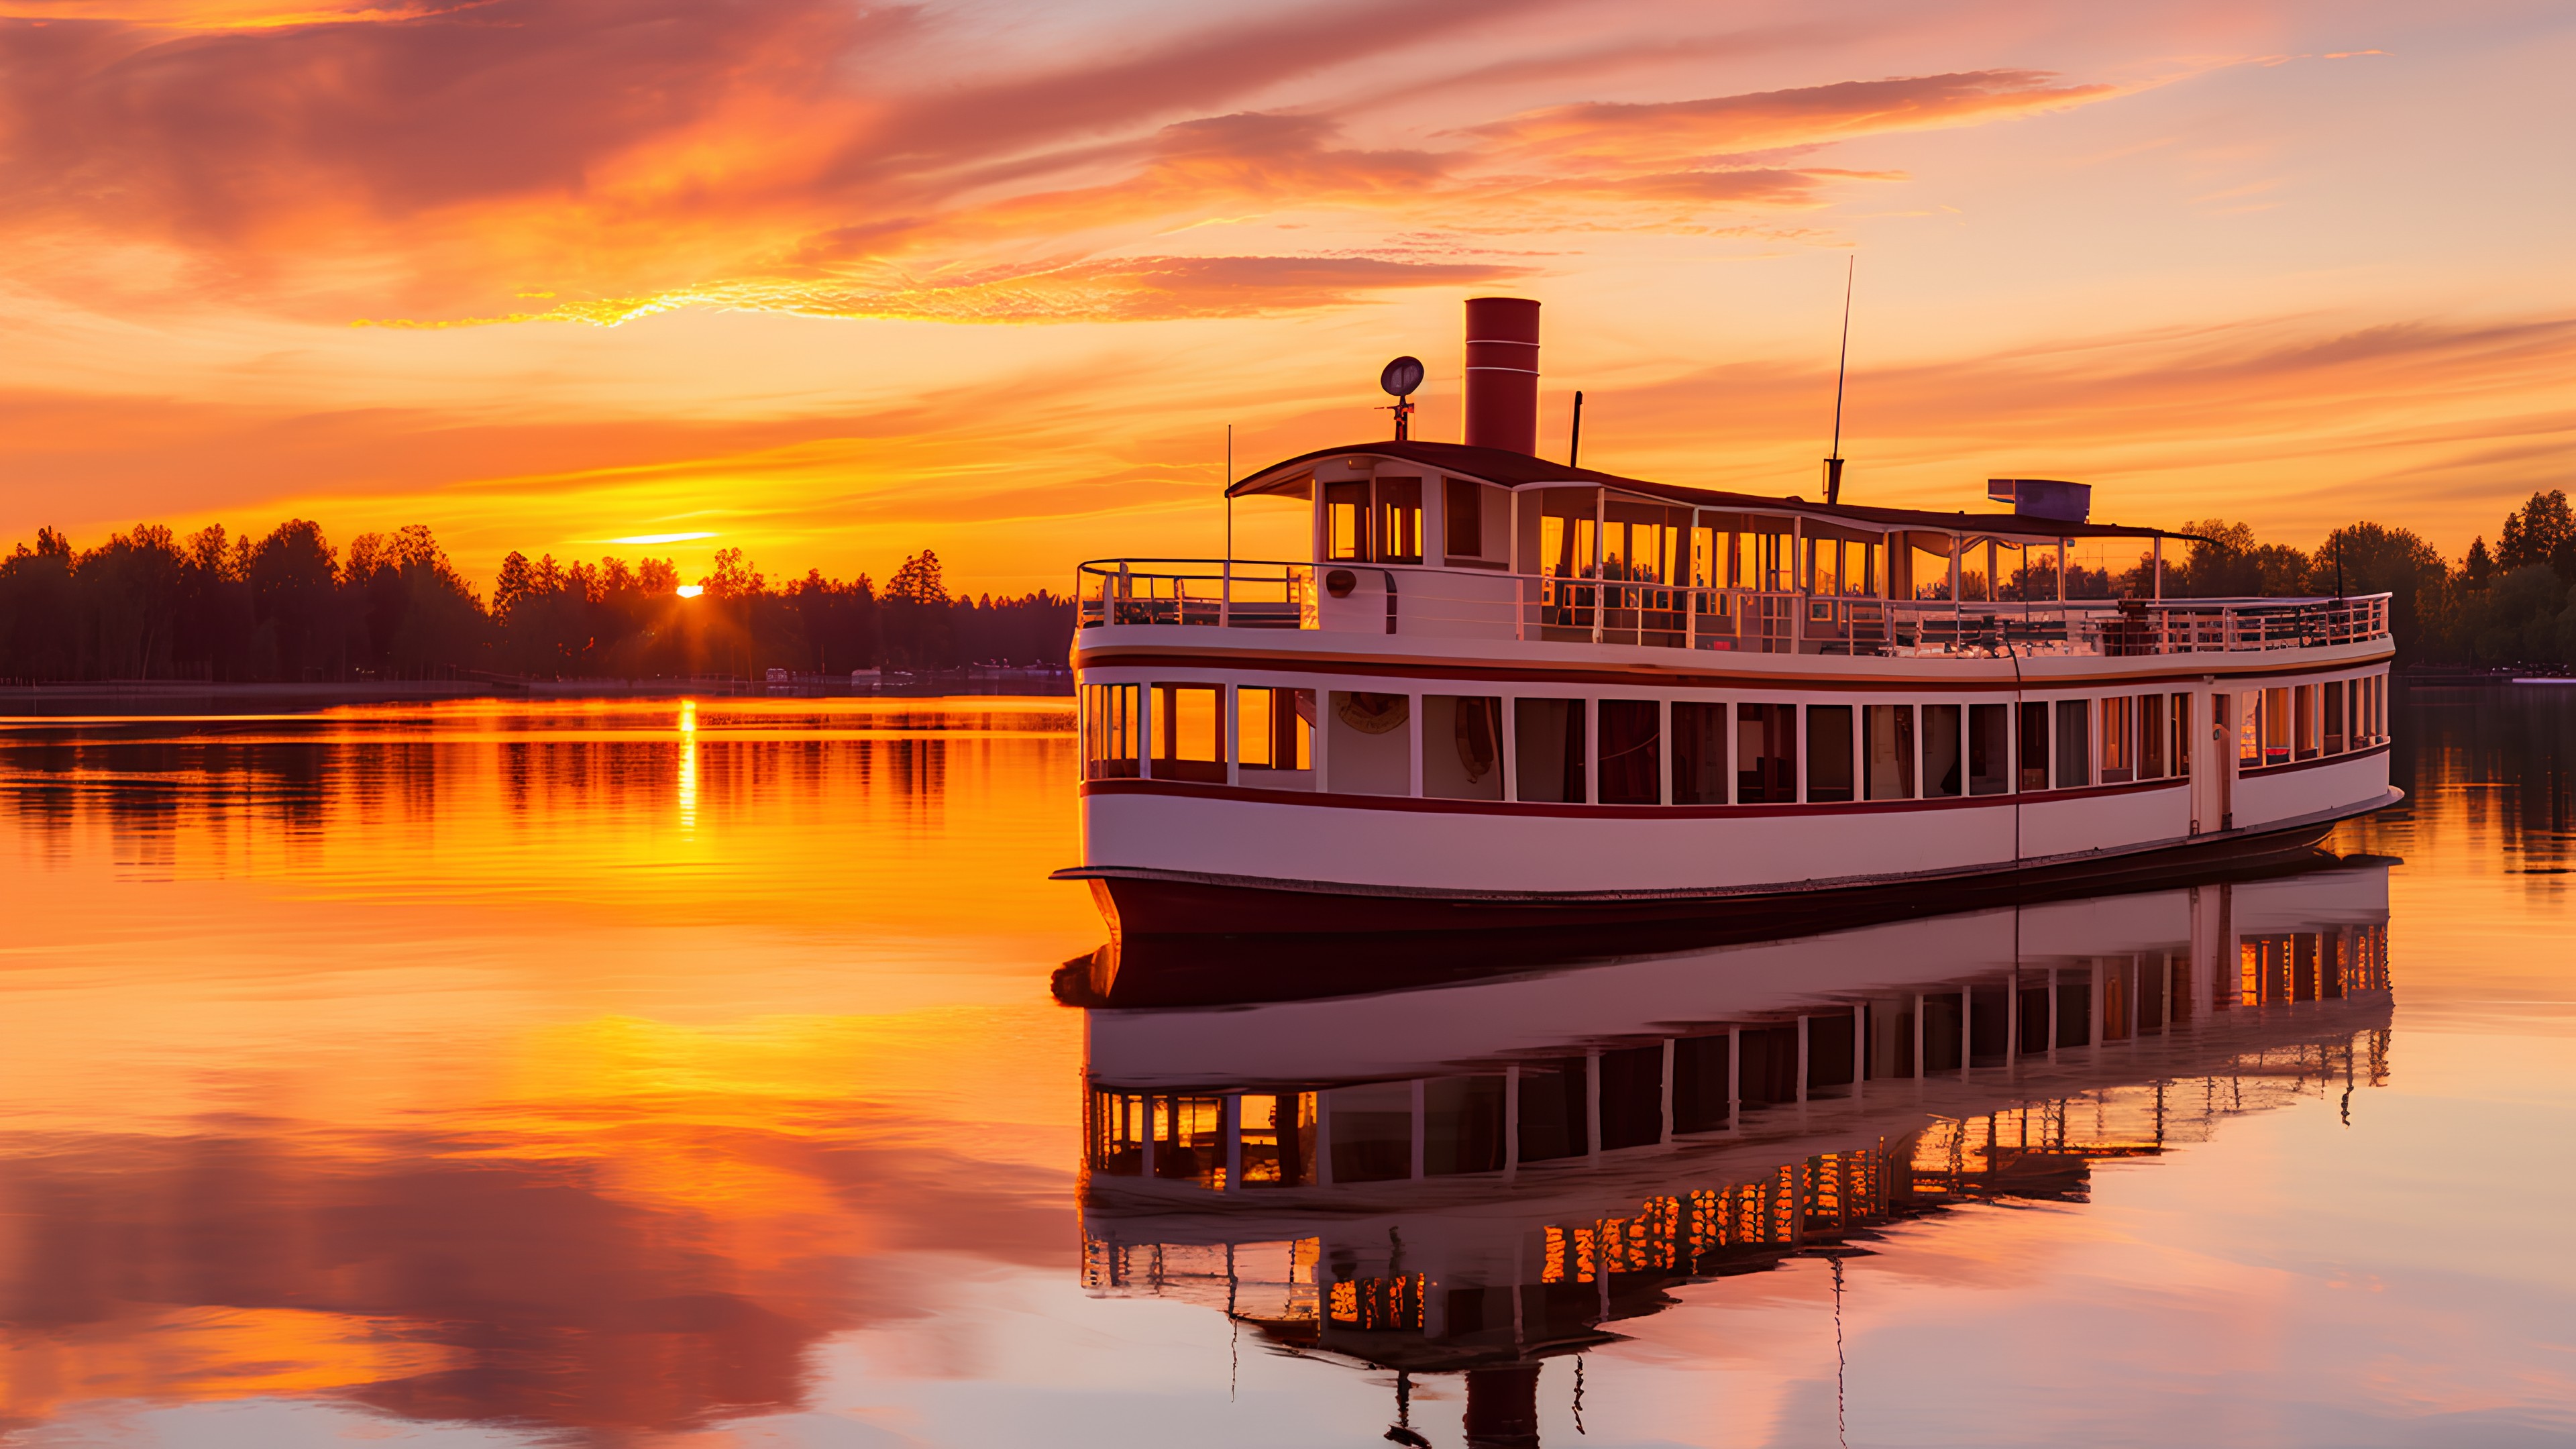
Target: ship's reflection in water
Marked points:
1473	1179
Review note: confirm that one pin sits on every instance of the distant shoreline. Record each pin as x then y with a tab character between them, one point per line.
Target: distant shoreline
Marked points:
197	696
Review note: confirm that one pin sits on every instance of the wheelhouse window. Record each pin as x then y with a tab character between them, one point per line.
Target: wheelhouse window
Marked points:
1274	730
1766	753
1189	733
1888	751
1399	520
1631	761
1548	759
1110	732
1699	754
1945	773
2119	740
1462	518
1829	753
1462	747
1347	516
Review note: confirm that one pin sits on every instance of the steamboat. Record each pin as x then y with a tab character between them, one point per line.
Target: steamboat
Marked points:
1506	692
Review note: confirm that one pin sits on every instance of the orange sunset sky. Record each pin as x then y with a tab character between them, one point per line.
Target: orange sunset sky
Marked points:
833	281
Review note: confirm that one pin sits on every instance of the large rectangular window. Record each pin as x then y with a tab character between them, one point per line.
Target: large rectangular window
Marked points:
1548	758
1188	733
1462	747
2074	744
1766	753
1462	518
1274	729
2154	739
1829	752
1888	751
1945	772
1399	520
2337	723
2119	740
1989	749
1699	754
1346	522
2033	773
1109	732
1632	765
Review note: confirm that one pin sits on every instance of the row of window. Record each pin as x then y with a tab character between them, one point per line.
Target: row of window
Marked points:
1692	752
1551	1109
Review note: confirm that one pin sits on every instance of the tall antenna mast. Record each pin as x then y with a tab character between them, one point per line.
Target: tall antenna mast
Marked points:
1834	464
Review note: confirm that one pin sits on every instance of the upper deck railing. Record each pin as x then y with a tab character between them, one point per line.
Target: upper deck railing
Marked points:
1485	604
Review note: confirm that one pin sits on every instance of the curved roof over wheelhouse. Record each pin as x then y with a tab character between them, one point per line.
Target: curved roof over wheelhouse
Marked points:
1503	468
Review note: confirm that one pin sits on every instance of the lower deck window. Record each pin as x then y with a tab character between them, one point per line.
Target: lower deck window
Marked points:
2338	725
1274	730
2034	748
2119	740
1888	751
2152	743
1829	752
1945	762
1989	749
1631	752
1699	754
1189	730
1462	747
1766	753
1110	732
1548	758
2074	744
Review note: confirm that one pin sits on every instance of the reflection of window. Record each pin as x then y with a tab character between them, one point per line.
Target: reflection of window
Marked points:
1555	1110
1631	753
1462	1126
1278	1139
1699	754
1371	1128
1275	728
1703	1084
1188	733
1109	732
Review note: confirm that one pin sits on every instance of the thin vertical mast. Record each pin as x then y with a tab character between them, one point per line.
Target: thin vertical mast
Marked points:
1834	463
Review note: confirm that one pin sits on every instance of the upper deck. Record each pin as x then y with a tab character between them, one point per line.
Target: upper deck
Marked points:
1433	541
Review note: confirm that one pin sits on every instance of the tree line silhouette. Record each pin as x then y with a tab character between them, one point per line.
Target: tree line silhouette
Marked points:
148	604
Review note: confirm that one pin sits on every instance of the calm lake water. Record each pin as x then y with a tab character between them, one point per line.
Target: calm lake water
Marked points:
661	1073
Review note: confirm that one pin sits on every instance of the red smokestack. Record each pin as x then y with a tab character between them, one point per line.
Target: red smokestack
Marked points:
1502	373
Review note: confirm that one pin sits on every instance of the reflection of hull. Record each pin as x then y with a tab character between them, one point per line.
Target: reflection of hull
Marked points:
1182	903
1253	966
1474	1177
